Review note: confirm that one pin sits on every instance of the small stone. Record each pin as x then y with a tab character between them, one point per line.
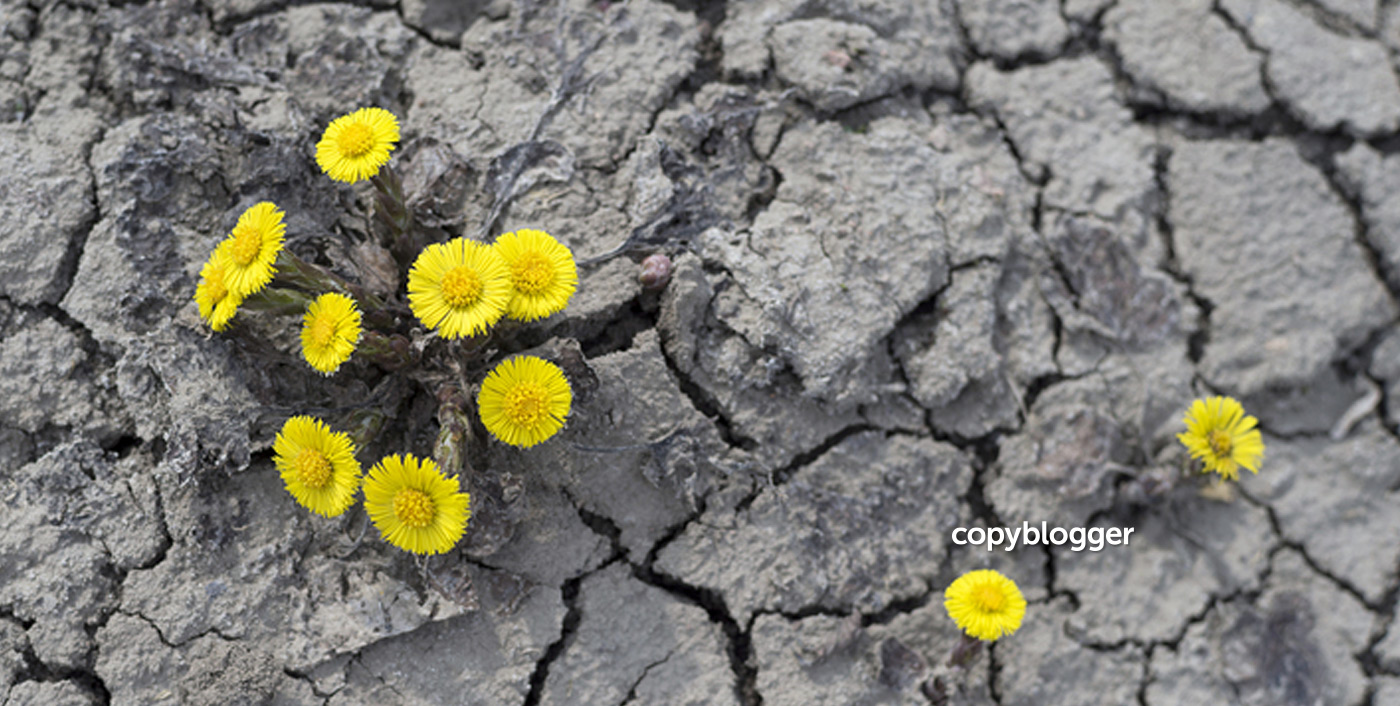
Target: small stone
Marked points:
656	272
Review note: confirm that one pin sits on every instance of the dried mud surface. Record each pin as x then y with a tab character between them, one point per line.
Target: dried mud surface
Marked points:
937	264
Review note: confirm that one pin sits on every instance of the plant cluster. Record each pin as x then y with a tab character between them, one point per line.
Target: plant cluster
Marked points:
459	290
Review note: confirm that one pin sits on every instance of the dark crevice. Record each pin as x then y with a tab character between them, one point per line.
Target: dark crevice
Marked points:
572	616
898	607
602	526
311	683
1286	543
800	461
87	679
122	446
1199	338
617	335
706	403
1327	164
740	642
993	674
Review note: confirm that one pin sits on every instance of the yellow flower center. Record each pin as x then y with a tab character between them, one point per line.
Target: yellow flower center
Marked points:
313	469
356	140
461	287
1220	443
526	404
989	598
413	508
322	331
247	243
531	272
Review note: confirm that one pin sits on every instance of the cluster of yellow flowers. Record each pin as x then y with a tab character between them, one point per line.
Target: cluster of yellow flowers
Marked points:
241	264
414	506
458	289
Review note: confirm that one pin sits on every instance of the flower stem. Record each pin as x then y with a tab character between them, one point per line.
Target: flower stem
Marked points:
314	279
450	449
965	652
392	211
389	351
275	300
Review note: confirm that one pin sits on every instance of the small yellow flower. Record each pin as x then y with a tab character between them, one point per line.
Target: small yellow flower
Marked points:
542	272
985	604
317	465
1220	434
253	246
524	400
461	288
216	303
329	331
414	506
355	146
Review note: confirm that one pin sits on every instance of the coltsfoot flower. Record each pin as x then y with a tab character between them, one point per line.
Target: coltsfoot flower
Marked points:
329	331
524	400
542	273
254	243
460	288
985	604
216	303
355	146
415	507
318	465
1220	434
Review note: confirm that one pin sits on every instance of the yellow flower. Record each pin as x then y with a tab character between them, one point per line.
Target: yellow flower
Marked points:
542	272
524	400
1219	433
414	506
985	604
355	146
329	331
460	288
216	303
318	465
254	244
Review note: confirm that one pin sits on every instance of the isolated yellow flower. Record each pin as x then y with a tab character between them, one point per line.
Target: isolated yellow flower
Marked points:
317	465
355	146
254	243
985	604
460	288
414	506
329	331
542	273
1220	434
524	400
216	303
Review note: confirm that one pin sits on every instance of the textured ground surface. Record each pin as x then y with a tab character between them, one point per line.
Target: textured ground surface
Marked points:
938	264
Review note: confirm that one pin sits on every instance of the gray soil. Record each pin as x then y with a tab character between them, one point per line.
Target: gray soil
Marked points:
938	263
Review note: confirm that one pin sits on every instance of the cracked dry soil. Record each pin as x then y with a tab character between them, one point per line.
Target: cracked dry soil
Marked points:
939	263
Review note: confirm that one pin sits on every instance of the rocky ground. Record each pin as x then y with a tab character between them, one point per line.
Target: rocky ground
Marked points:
937	264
